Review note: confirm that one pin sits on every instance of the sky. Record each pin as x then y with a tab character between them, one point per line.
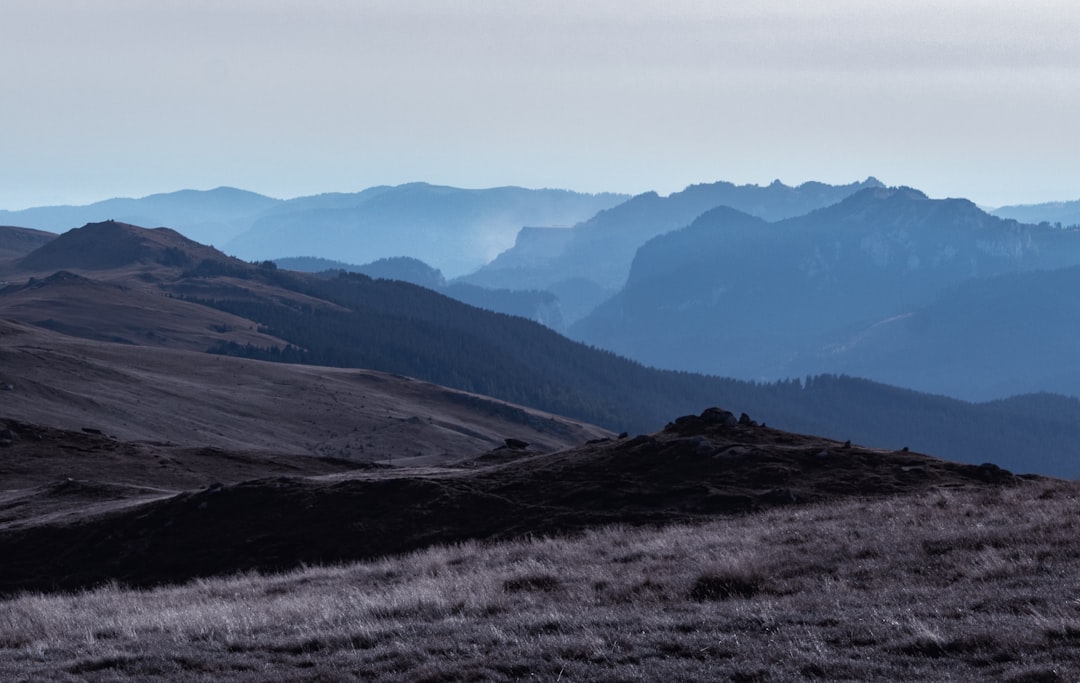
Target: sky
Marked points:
959	98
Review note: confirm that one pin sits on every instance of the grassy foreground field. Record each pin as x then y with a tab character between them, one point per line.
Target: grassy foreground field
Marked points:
951	585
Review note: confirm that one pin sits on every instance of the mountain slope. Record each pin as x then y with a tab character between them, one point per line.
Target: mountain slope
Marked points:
353	321
602	248
111	244
982	339
193	399
17	242
734	296
1062	213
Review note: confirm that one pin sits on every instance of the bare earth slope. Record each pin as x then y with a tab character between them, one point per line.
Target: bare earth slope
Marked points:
696	468
139	393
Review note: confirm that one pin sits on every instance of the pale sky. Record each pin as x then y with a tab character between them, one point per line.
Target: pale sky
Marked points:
103	98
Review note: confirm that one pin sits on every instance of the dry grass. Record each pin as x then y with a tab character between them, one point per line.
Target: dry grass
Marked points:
951	585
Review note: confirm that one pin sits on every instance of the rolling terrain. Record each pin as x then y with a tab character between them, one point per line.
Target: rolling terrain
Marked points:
16	242
715	549
697	467
180	397
177	295
172	514
953	584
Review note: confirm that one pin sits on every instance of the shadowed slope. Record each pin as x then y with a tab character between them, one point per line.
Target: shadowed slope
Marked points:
259	311
102	246
127	312
16	242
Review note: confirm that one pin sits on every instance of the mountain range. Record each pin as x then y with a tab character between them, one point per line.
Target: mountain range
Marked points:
454	229
590	261
177	294
882	284
1058	214
219	469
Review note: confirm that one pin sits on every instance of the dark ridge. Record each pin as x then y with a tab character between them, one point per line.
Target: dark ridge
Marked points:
17	242
698	467
111	244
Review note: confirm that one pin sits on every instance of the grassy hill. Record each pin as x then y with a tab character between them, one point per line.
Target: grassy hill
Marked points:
946	585
696	468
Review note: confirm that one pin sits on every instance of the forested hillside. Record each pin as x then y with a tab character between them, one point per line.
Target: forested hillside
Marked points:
401	328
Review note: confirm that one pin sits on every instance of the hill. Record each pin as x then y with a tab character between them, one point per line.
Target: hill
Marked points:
111	244
352	321
955	584
191	399
16	242
698	467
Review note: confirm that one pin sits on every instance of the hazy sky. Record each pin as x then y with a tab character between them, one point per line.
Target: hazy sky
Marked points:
101	98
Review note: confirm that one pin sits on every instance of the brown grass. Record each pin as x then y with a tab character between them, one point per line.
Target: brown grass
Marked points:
952	585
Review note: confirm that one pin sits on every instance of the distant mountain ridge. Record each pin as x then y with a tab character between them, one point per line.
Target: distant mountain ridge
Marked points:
206	216
1060	214
986	337
597	253
452	228
261	312
737	296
